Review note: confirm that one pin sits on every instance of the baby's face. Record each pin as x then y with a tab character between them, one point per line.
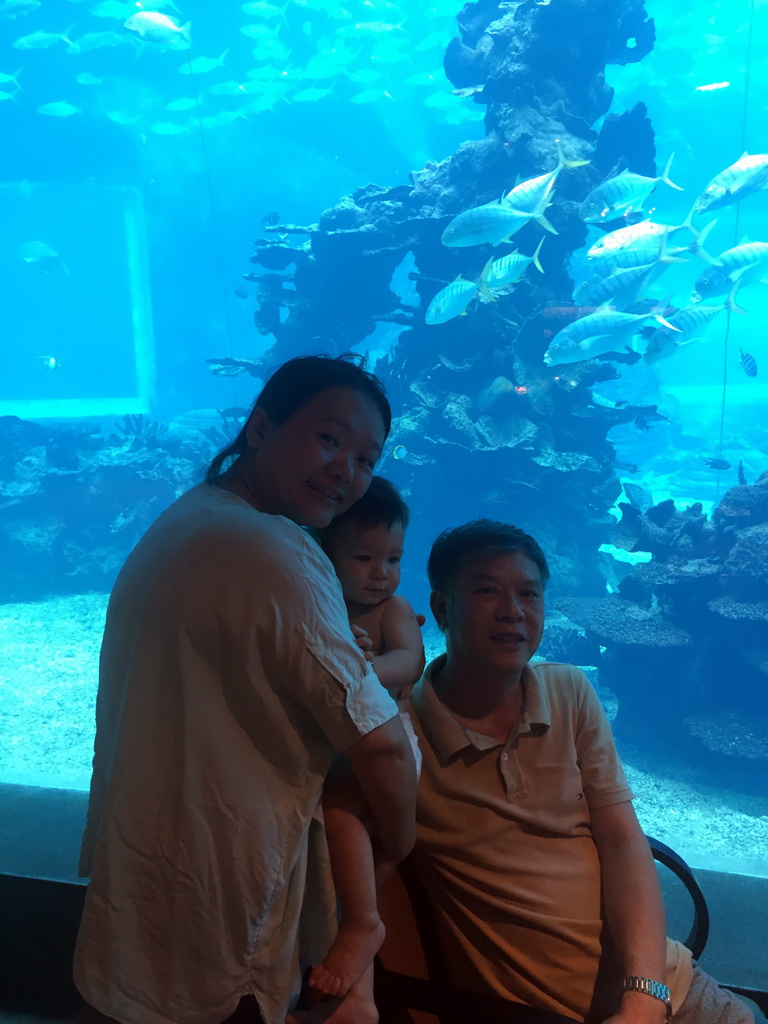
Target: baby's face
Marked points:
367	561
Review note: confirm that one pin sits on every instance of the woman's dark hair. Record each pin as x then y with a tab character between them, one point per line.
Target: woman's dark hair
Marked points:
381	503
454	548
297	382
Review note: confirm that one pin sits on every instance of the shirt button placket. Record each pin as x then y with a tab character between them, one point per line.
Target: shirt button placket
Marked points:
506	766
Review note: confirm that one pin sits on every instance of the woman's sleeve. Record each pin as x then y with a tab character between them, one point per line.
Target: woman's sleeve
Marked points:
320	665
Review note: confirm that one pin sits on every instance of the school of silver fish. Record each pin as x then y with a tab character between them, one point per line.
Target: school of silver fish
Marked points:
626	259
290	51
360	52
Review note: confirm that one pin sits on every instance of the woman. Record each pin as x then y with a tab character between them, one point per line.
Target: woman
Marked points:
228	683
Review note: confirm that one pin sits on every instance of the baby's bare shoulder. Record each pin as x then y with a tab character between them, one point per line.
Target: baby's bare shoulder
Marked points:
397	607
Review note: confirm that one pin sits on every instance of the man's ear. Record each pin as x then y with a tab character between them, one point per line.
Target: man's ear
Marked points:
256	427
437	604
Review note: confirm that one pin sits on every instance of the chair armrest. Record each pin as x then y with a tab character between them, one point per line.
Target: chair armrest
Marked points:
697	937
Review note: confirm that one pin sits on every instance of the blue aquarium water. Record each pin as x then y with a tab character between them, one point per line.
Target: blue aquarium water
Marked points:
191	193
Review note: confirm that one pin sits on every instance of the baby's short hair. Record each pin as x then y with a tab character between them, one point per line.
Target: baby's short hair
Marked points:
381	503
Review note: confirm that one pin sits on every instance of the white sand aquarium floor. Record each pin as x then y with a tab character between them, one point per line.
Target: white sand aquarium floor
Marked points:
48	670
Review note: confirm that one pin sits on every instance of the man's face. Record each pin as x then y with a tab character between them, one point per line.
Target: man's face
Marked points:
493	615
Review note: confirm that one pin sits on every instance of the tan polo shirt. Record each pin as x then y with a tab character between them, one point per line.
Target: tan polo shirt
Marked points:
228	682
504	842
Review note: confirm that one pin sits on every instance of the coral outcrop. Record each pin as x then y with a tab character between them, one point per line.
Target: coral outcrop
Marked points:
685	639
484	428
75	501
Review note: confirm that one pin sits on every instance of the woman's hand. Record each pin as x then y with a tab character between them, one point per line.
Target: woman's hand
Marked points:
363	641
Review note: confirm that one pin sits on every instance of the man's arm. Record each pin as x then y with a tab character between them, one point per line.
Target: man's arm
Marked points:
383	765
402	662
633	906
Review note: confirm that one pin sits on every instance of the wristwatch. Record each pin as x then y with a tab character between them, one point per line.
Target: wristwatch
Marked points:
649	988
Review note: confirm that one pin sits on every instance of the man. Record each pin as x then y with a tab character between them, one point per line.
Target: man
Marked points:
542	882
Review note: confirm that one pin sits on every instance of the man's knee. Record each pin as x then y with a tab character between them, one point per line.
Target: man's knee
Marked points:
708	1003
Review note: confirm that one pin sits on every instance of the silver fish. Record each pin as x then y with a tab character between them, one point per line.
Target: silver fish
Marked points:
202	65
159	28
168	128
622	194
749	258
13	79
97	41
605	330
19	8
451	301
748	175
690	323
264	9
532	197
496	222
183	103
508	270
645	242
41	40
60	108
490	224
36	252
621	287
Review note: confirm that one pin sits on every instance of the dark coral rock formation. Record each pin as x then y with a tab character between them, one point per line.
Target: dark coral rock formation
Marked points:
614	621
686	637
730	735
484	428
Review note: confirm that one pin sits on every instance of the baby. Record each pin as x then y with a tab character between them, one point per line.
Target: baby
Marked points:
365	545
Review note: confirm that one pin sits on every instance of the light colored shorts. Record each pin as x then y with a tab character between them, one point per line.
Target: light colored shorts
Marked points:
405	718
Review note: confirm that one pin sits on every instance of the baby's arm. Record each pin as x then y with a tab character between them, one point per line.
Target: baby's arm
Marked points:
402	659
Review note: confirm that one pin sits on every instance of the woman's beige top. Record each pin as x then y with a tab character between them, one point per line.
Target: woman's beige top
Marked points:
229	681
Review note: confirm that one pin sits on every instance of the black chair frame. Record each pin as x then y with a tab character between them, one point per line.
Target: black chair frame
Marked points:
697	937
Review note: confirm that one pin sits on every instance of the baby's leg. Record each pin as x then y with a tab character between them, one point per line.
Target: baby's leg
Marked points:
361	931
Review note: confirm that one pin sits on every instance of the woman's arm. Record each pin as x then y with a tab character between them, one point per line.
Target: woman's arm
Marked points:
402	662
633	906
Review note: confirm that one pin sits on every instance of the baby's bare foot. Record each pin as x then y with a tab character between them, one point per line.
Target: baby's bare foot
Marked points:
355	947
351	1010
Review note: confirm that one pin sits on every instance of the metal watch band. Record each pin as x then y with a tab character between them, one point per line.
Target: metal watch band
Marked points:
649	987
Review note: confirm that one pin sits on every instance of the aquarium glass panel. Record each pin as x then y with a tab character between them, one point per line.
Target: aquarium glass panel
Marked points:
88	312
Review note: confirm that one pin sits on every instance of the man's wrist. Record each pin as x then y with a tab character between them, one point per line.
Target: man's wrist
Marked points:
649	987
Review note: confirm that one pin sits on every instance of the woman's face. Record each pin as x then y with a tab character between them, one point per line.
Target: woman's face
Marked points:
319	462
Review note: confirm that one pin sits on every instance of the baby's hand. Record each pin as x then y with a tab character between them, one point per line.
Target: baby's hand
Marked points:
363	641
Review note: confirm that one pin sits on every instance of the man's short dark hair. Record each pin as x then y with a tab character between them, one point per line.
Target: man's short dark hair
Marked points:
381	503
455	548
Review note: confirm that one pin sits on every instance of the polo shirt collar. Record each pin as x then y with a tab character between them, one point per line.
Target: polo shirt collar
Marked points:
450	737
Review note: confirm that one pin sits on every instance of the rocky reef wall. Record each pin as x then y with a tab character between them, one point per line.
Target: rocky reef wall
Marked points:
483	427
683	644
75	499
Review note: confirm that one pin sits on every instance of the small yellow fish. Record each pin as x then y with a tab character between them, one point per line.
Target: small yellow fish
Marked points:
399	451
50	362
